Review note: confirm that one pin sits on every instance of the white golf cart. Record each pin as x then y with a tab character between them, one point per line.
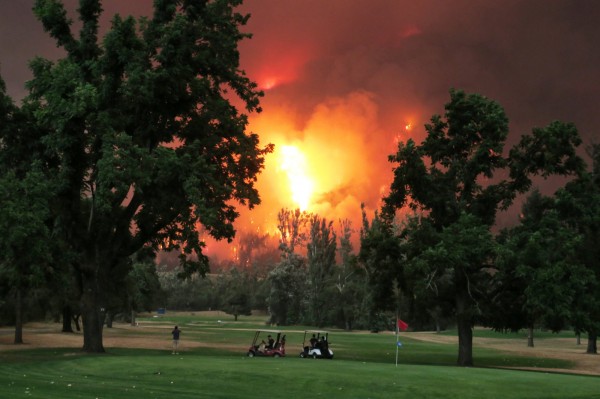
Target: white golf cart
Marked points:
316	345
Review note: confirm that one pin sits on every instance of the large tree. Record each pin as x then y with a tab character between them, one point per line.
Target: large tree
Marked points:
538	271
460	169
579	205
429	284
382	258
381	255
234	289
463	256
148	141
320	255
25	253
350	283
25	192
287	280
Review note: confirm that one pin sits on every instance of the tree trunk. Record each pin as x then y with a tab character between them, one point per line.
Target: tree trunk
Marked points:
67	315
592	348
109	317
465	342
578	338
18	317
465	332
76	321
133	322
530	337
92	315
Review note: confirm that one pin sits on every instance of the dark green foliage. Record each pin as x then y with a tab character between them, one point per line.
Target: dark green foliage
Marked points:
455	168
234	291
26	248
381	255
578	204
288	279
347	304
456	179
444	175
194	293
539	274
287	282
547	151
428	285
463	256
144	290
142	137
321	250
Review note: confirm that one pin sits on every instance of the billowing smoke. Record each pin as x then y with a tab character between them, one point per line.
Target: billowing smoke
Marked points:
343	80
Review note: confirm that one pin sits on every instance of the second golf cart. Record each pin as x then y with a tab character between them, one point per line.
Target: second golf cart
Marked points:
316	345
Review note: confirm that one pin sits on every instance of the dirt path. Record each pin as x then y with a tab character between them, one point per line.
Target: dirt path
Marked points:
41	335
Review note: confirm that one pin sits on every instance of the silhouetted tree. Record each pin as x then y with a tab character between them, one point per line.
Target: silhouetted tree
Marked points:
26	189
460	167
146	140
538	264
320	256
579	206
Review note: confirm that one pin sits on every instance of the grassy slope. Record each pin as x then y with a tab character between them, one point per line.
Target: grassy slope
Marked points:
200	374
364	368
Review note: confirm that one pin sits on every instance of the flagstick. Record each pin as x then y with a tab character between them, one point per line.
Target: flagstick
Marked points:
397	339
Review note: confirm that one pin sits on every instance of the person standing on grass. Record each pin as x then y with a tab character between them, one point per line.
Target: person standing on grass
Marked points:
176	331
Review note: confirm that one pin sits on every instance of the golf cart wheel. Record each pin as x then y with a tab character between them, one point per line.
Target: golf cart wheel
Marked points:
277	355
302	355
250	354
314	356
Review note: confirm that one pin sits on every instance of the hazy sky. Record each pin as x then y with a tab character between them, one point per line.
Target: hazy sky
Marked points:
343	78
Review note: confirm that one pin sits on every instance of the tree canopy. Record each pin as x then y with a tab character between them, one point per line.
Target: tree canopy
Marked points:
145	141
538	271
460	173
578	204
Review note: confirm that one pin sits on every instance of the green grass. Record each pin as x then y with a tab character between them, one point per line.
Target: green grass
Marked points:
364	367
157	374
377	348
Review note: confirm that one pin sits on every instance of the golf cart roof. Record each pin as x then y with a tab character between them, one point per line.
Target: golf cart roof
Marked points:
316	331
270	331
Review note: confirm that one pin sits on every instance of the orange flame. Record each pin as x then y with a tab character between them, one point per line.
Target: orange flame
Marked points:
293	163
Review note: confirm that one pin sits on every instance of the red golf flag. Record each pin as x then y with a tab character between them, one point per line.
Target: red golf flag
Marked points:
402	326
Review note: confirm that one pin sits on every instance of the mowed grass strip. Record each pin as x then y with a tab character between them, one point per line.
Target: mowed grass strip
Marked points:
135	373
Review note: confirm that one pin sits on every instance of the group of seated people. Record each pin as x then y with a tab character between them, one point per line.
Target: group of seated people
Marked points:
319	343
271	344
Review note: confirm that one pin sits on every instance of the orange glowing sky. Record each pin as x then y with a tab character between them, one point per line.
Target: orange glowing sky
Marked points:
344	79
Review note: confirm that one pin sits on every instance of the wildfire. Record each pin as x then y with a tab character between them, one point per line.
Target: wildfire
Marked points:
293	163
268	84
